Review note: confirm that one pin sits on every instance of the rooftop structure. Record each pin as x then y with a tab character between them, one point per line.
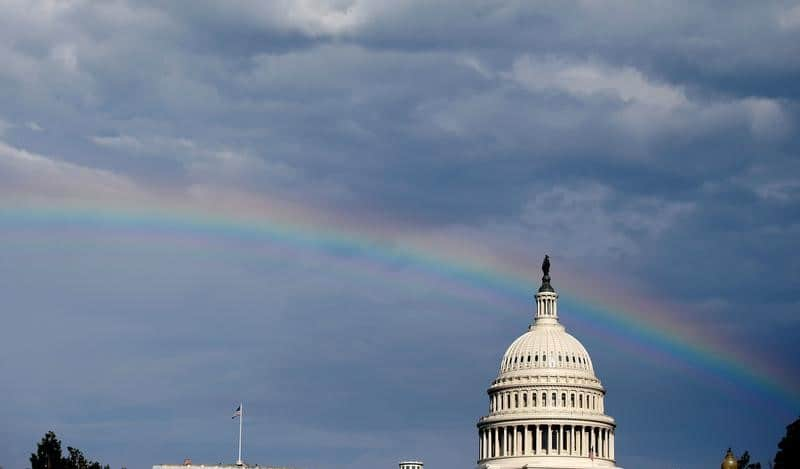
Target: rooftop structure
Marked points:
411	465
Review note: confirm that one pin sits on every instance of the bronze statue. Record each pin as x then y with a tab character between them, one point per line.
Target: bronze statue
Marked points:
546	278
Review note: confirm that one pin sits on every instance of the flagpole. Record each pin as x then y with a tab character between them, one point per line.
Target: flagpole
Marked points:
239	461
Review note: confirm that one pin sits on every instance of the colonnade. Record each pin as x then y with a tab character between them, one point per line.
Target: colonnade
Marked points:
508	400
546	305
546	439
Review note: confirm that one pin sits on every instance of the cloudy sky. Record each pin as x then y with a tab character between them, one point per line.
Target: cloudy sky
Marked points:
336	211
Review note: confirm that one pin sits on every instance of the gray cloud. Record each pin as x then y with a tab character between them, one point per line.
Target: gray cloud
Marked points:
657	137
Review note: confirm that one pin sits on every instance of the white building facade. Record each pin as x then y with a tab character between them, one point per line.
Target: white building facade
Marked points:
546	405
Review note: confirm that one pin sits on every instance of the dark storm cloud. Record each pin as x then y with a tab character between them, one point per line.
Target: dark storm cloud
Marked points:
659	137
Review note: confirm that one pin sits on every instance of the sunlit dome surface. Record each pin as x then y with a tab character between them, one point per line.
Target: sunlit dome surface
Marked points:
544	348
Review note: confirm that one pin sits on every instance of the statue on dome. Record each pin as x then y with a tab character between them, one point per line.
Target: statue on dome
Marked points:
546	278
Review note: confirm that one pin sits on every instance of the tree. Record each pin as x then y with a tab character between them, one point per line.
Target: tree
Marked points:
48	453
48	456
744	462
788	456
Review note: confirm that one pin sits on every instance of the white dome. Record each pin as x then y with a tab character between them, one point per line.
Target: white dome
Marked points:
546	406
545	348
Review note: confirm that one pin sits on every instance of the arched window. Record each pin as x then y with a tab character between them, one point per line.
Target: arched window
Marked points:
508	398
544	400
525	399
529	358
563	399
580	401
572	399
516	400
534	399
554	399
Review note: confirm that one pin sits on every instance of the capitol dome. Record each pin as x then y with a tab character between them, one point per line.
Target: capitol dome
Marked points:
546	406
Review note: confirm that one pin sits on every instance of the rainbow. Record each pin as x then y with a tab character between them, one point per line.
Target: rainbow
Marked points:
457	265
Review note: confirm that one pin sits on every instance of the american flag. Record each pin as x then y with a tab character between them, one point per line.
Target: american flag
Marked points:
237	412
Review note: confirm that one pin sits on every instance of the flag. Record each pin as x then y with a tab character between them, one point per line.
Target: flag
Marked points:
237	412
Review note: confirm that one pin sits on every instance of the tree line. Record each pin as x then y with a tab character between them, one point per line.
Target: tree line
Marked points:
49	455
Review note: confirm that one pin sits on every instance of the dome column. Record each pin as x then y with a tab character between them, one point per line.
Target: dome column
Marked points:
596	436
586	441
572	440
603	441
529	439
611	444
583	441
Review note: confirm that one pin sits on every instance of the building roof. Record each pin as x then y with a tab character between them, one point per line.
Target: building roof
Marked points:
216	466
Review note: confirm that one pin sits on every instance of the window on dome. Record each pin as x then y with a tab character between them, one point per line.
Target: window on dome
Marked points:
544	358
554	399
536	358
580	401
533	396
516	400
508	401
529	358
572	400
563	399
559	358
544	400
525	400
